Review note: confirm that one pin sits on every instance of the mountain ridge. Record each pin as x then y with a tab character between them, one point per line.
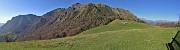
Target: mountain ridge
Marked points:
71	21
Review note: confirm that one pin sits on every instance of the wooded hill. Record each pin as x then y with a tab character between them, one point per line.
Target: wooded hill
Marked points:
64	22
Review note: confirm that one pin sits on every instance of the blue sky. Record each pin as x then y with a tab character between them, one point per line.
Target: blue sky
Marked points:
148	9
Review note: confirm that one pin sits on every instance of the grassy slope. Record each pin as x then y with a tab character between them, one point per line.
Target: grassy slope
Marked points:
114	36
174	44
119	25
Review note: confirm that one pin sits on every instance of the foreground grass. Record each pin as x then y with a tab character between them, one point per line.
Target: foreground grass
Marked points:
114	36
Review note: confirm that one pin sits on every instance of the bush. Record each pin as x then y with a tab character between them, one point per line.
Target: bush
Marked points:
8	37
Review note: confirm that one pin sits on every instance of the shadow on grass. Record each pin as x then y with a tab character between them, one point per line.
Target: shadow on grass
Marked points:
170	45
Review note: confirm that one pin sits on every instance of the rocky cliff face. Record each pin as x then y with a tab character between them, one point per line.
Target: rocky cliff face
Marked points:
18	23
71	21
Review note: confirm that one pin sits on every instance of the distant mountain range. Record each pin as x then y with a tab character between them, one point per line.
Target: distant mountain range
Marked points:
64	22
162	23
155	22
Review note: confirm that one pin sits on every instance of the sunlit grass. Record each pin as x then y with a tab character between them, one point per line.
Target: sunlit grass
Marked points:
114	36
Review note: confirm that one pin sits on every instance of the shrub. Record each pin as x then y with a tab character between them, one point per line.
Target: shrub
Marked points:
8	37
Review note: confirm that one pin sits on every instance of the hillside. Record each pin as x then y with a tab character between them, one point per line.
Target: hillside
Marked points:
63	22
118	35
1	24
120	25
18	23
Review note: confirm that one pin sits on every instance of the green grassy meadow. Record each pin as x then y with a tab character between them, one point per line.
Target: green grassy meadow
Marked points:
118	35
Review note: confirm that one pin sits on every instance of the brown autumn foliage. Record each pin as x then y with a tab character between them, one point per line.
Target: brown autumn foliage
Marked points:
71	21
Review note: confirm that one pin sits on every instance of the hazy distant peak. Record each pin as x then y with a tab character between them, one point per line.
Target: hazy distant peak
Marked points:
28	15
1	24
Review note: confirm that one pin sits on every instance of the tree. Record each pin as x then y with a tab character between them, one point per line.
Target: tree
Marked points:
9	37
178	24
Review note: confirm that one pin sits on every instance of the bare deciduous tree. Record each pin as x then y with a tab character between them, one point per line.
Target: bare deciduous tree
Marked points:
178	24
